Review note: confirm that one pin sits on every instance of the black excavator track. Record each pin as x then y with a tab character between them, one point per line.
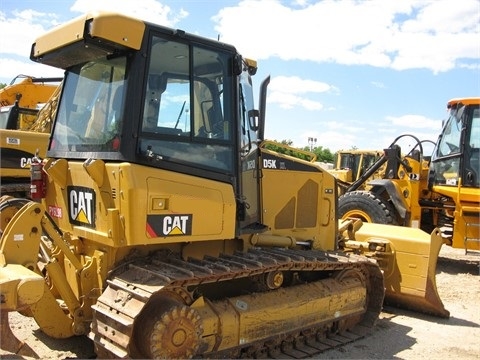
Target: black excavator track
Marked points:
133	284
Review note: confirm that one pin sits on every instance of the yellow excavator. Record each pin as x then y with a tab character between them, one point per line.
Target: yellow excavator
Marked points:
441	191
162	227
27	124
21	100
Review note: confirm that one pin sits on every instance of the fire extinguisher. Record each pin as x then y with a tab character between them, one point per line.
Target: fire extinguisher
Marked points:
37	179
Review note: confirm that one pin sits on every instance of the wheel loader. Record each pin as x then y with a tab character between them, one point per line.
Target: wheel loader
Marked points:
25	130
162	227
441	191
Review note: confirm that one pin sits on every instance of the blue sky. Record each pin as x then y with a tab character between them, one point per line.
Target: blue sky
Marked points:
347	73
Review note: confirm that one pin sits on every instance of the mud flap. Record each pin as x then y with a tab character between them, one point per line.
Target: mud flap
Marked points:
408	258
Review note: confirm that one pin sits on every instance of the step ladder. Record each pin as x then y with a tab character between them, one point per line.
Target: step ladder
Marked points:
471	218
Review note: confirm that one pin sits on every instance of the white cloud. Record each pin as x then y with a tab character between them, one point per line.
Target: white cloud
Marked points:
291	91
297	85
15	45
408	34
31	23
289	101
149	10
416	122
12	68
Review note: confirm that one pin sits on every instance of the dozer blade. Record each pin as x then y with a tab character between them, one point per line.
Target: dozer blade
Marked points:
408	258
9	342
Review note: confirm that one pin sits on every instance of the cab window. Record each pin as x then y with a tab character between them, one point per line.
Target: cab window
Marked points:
184	118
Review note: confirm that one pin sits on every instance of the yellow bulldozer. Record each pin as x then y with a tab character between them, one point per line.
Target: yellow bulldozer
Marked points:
162	226
441	191
26	115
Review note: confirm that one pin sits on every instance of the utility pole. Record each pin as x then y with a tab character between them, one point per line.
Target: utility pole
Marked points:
312	141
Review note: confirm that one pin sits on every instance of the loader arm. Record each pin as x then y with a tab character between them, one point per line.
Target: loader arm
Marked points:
25	257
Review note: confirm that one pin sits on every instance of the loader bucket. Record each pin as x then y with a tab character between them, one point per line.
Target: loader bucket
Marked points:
408	258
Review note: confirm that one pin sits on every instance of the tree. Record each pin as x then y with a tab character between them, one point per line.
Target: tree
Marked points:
323	155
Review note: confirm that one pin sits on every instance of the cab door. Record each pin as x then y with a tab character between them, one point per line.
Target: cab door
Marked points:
249	187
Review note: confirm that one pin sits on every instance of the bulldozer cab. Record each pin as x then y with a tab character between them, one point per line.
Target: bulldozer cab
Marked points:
186	106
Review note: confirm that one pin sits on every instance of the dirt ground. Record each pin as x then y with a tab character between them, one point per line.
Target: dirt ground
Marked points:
399	334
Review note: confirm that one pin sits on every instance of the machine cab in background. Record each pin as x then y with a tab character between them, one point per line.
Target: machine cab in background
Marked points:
456	155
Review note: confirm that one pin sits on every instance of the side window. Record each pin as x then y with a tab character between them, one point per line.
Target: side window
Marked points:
446	162
472	168
475	132
185	114
248	135
450	142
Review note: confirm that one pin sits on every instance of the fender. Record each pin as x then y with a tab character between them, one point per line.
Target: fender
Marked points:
384	185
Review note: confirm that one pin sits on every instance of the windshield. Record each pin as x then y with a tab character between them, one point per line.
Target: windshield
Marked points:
89	114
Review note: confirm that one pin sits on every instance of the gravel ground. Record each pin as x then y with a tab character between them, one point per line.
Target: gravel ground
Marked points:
402	334
399	334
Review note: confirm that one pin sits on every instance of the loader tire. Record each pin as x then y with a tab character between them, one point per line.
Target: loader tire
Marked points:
366	206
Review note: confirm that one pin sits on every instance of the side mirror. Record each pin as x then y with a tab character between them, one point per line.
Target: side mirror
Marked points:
237	65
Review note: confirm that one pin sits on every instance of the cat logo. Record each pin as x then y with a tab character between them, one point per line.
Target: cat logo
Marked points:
169	225
81	205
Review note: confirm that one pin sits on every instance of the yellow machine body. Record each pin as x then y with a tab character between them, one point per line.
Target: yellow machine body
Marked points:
187	237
